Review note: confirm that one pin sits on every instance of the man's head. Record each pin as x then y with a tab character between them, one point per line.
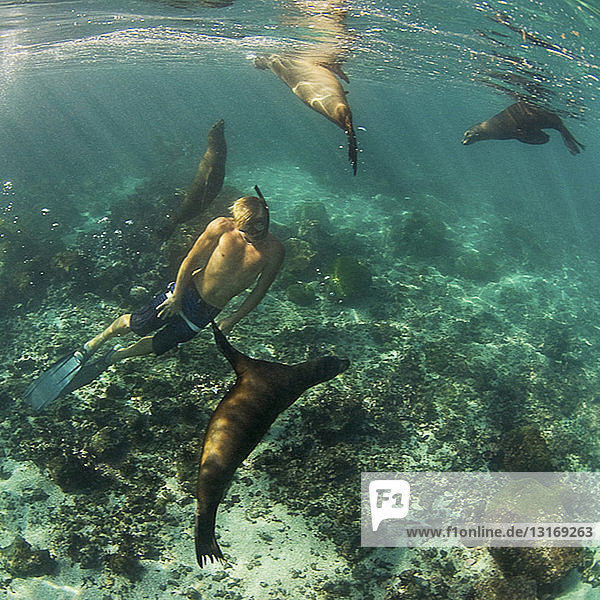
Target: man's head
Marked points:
251	217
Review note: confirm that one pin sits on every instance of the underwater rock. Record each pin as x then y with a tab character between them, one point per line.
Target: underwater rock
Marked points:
312	212
298	255
523	245
411	585
351	278
301	294
109	445
558	343
21	560
476	266
546	566
125	562
72	265
524	449
420	235
515	588
73	474
139	292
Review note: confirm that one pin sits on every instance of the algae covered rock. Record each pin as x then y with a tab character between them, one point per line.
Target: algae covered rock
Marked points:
524	449
477	266
20	559
312	212
548	565
421	235
301	294
298	255
351	278
109	445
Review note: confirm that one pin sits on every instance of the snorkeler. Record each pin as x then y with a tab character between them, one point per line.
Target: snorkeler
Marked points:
229	255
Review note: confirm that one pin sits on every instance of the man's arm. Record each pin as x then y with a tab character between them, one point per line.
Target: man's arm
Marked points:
259	291
196	258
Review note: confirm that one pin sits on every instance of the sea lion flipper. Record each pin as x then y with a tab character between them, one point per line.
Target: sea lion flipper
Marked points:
352	145
532	136
336	69
235	358
571	143
207	547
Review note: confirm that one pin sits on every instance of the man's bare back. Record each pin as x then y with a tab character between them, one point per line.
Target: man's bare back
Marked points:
234	263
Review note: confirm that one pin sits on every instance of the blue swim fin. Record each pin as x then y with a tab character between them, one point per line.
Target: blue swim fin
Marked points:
54	380
88	372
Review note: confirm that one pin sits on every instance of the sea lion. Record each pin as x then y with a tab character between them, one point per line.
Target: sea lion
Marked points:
208	181
314	81
260	393
524	122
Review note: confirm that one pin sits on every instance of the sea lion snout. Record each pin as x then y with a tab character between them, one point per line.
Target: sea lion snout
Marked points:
328	367
218	125
469	137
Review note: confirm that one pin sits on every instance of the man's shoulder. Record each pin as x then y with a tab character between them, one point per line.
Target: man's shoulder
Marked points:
220	225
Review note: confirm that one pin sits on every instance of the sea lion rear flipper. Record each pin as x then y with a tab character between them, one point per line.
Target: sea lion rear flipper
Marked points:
570	142
532	136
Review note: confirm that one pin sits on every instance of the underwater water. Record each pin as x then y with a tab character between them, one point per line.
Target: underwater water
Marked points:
460	280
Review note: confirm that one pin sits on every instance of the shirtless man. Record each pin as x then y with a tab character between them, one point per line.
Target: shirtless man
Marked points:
229	255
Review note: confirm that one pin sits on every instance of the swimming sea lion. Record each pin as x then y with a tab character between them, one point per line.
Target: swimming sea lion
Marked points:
524	122
316	84
208	181
261	392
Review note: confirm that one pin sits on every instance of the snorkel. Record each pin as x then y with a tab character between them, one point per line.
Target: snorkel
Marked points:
262	233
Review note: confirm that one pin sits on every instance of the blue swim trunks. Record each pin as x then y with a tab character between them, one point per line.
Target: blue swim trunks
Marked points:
195	314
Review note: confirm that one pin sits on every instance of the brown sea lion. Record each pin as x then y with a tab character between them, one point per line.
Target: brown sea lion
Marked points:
208	181
261	392
314	81
524	122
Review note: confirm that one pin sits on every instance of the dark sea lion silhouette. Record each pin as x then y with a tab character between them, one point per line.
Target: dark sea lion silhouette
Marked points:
260	393
524	122
316	84
208	181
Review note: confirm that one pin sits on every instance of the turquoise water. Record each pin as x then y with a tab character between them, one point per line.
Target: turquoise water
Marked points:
473	339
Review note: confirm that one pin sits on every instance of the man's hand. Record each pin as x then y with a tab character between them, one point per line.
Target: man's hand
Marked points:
226	325
169	308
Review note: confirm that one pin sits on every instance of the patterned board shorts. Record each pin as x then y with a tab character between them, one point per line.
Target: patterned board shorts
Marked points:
195	314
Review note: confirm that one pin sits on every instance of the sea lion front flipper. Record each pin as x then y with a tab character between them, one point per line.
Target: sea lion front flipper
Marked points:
236	359
352	145
336	69
532	136
207	547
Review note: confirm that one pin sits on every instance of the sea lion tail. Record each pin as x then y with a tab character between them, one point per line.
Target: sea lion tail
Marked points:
207	548
570	142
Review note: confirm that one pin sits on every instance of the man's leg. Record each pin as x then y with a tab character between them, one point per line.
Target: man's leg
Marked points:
140	348
119	326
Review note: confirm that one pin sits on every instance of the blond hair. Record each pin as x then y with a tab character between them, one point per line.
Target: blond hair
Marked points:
248	208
